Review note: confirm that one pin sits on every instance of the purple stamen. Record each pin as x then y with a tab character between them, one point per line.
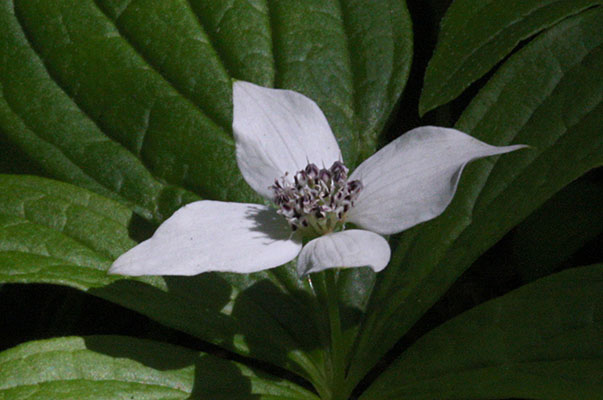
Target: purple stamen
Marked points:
317	198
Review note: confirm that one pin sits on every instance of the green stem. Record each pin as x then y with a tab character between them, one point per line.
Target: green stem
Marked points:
337	354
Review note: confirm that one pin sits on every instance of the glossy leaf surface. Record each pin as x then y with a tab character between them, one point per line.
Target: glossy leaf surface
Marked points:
120	97
475	35
542	341
547	96
133	101
52	232
114	367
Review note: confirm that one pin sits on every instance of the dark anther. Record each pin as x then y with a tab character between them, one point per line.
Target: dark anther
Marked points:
338	166
355	186
312	171
324	175
339	171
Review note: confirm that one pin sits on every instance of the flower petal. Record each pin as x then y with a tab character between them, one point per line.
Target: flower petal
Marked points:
352	248
212	236
413	179
278	131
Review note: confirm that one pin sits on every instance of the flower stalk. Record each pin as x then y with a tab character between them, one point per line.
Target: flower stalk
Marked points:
287	153
337	351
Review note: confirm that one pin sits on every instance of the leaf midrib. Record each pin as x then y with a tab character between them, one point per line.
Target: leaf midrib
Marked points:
377	324
28	222
458	66
505	187
85	205
159	72
61	151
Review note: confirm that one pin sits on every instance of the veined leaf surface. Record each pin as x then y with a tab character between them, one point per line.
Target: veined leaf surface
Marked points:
541	341
548	96
123	96
475	35
117	367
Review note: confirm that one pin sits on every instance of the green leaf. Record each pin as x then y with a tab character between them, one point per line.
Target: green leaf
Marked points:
14	160
475	35
48	126
542	341
78	223
52	232
549	237
548	96
119	96
113	367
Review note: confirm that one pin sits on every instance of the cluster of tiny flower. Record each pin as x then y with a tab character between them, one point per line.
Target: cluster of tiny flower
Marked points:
317	198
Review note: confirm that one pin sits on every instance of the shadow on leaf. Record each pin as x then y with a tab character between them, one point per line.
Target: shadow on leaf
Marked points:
212	377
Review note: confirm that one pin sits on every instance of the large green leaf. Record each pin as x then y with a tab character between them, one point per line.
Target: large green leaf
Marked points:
52	232
114	367
111	94
542	341
549	237
548	96
39	117
476	34
121	97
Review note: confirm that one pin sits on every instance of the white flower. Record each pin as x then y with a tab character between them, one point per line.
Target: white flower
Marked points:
287	153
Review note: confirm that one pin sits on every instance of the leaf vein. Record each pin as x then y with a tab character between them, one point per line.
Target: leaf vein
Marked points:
157	70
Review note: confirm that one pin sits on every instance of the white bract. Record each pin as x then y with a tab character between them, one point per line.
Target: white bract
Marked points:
287	153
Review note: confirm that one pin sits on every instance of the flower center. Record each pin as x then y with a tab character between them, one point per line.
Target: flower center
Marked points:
317	199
